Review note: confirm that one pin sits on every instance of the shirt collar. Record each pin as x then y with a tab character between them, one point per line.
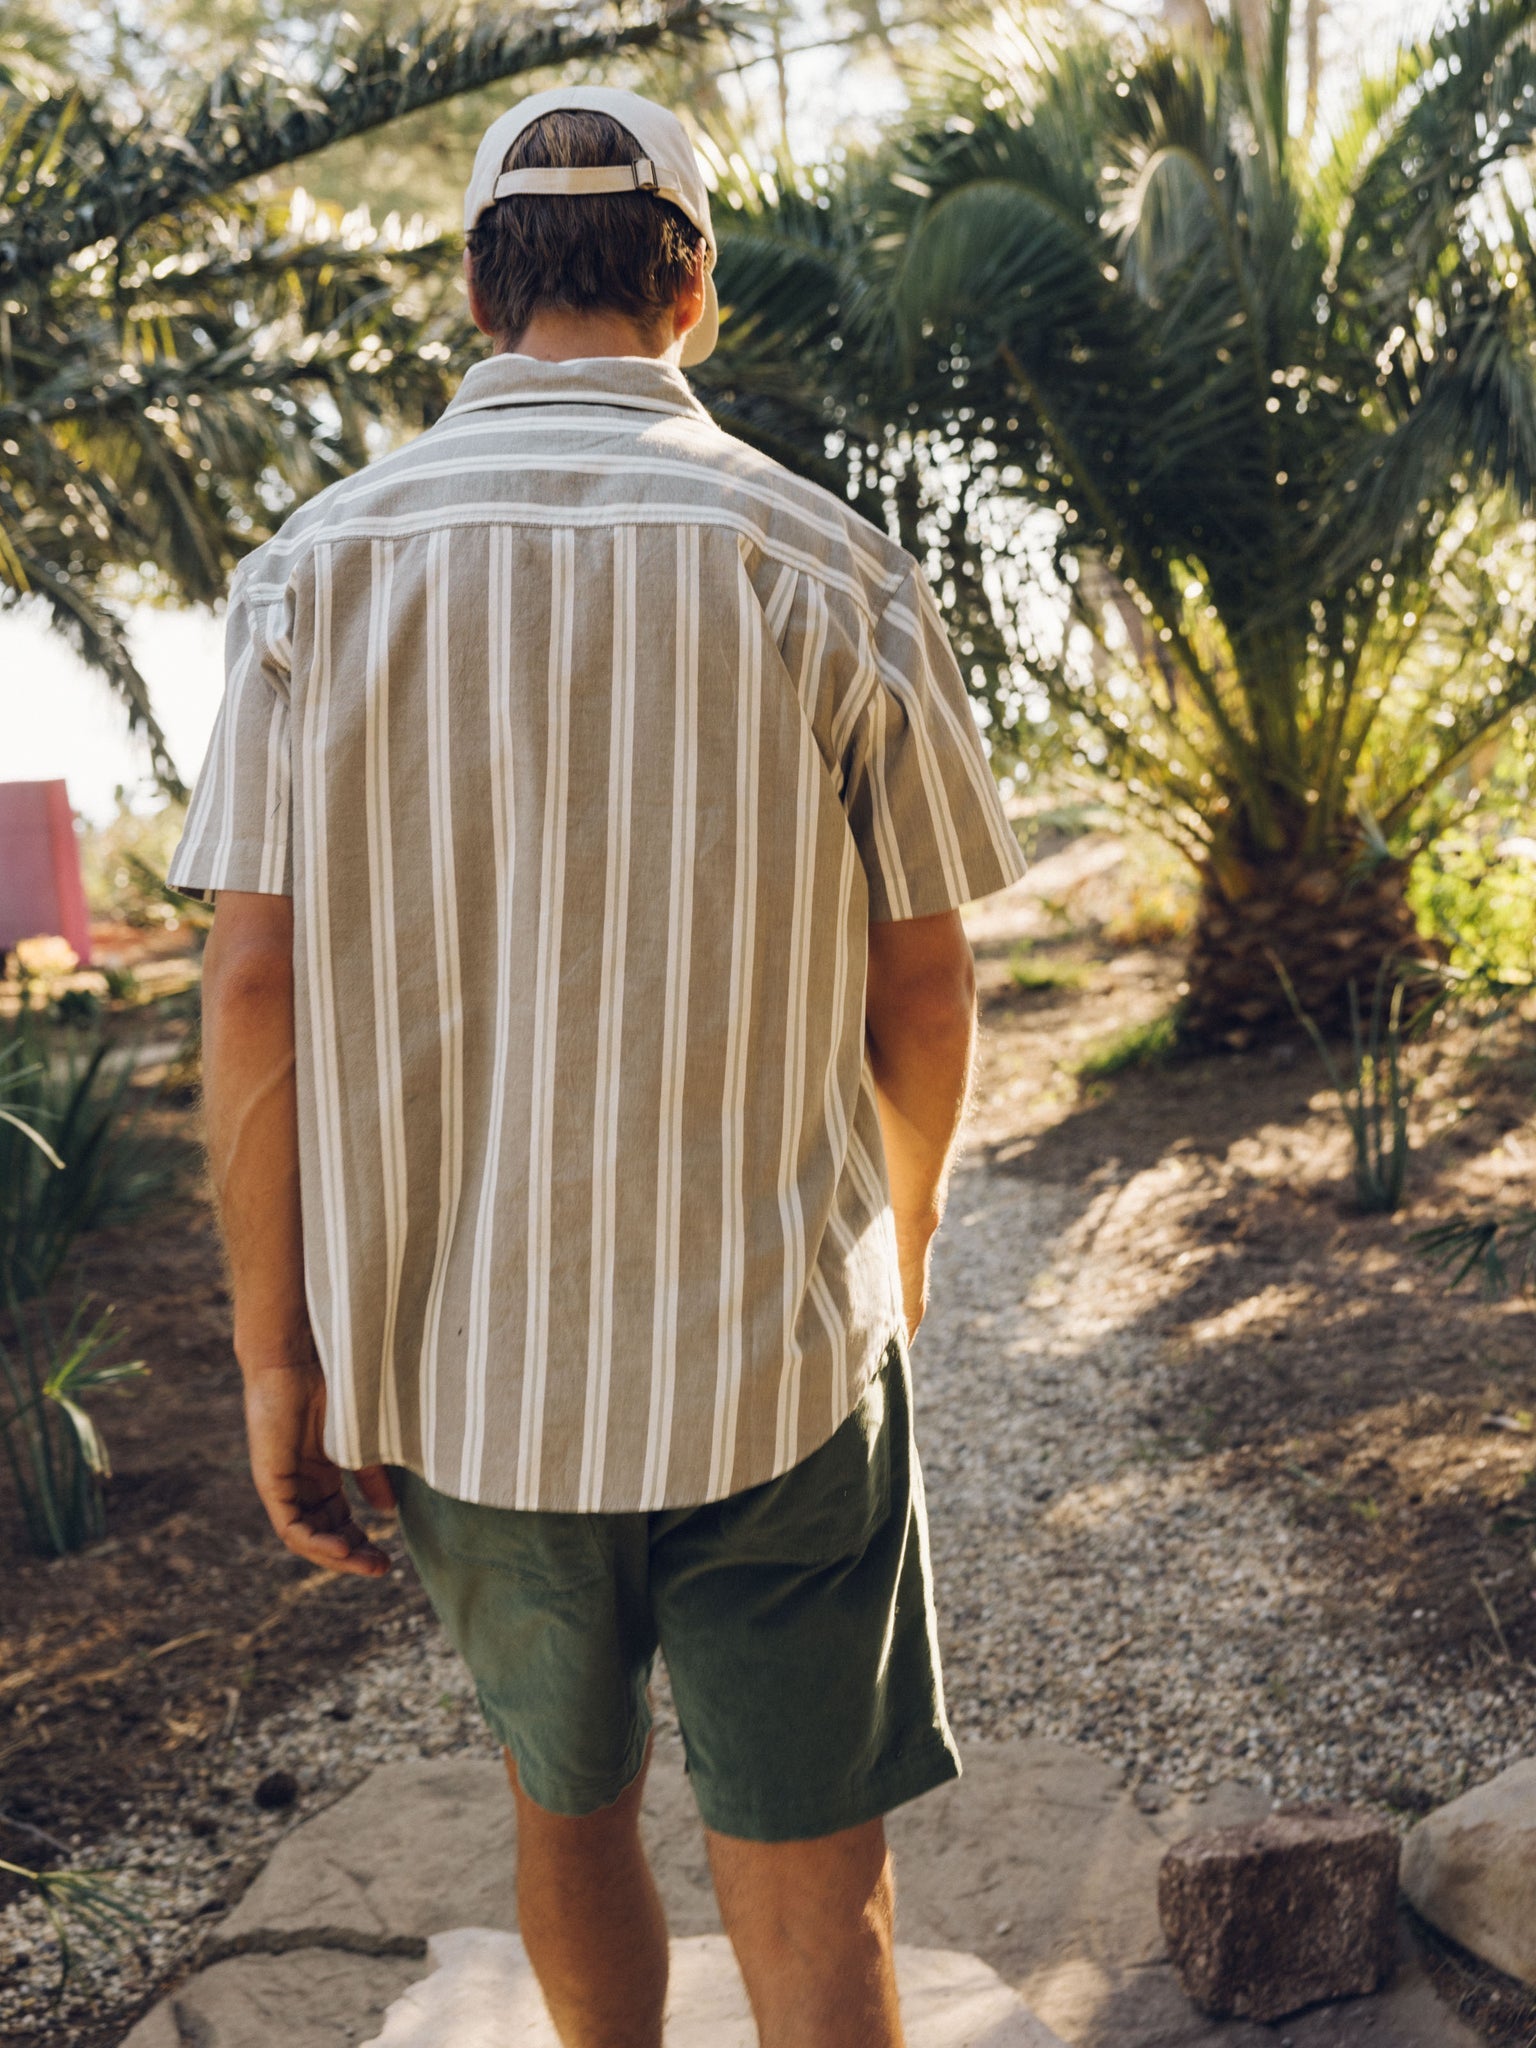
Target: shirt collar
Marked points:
636	383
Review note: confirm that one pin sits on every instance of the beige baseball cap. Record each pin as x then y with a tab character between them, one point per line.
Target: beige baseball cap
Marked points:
667	167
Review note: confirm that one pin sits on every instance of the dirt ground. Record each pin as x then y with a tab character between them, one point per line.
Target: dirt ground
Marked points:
1307	1350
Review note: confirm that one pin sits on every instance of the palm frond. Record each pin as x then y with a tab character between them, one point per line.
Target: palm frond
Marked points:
182	358
275	109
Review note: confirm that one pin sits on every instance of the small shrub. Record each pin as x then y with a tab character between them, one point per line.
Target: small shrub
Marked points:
75	1092
56	1455
77	1006
1138	1045
1373	1095
14	1075
1500	1250
93	1900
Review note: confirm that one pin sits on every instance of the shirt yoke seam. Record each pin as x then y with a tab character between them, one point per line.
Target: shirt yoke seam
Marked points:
871	614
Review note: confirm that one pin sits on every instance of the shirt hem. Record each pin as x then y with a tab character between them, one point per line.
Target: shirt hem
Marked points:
372	1453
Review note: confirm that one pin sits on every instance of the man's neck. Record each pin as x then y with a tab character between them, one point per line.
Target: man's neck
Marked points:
553	336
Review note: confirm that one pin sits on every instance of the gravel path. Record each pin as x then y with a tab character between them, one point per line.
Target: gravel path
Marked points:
1095	1585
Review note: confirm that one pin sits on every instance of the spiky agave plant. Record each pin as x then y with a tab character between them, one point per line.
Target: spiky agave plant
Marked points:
182	357
1280	413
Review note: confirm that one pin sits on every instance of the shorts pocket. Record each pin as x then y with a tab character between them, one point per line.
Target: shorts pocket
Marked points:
826	1508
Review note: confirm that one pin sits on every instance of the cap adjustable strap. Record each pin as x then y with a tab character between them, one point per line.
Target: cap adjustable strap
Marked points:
639	176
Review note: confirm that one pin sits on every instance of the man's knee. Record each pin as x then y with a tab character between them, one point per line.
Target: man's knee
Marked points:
566	1834
837	1887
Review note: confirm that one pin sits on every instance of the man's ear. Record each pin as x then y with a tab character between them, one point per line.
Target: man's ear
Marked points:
476	305
688	306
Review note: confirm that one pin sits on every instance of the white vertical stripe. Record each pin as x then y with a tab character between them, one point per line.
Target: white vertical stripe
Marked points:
848	937
674	1022
796	1029
282	870
500	630
450	989
868	1176
865	681
837	1341
610	1027
273	848
833	1110
925	622
914	699
386	982
340	1368
776	611
541	1139
212	780
749	669
887	851
229	825
978	772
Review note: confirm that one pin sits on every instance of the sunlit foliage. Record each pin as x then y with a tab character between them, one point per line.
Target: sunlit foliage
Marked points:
1235	439
183	356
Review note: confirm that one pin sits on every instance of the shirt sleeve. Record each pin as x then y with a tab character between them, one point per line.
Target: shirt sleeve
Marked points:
921	800
239	829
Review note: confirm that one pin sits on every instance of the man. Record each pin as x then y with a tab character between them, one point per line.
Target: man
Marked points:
587	1025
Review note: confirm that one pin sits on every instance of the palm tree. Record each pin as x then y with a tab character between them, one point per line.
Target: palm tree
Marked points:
1242	434
182	357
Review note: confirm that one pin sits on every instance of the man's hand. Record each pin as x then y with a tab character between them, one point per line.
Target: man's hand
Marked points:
253	1156
300	1487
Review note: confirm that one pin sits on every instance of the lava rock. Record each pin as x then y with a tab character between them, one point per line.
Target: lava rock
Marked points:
1470	1869
277	1789
1294	1910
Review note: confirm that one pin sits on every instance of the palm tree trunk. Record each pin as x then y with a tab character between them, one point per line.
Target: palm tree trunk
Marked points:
1326	925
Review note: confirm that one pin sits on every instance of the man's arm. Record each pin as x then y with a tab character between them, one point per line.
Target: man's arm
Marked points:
920	1027
251	1113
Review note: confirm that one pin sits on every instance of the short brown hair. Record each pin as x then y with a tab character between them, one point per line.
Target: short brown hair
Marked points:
625	252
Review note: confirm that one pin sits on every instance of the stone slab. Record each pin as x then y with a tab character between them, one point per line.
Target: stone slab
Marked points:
309	1998
415	1847
1037	1861
1470	1869
481	1993
1037	1857
1094	2007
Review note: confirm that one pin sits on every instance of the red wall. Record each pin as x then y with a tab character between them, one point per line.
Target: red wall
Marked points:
40	887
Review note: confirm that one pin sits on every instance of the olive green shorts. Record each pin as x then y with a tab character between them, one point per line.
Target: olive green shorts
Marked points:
796	1619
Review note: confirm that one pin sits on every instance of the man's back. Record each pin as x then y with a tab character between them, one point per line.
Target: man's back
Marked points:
607	738
587	1026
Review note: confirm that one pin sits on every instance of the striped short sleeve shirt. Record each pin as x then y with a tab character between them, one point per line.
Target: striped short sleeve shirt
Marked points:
588	741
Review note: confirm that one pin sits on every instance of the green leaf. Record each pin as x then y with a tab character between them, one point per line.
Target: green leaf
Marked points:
36	1137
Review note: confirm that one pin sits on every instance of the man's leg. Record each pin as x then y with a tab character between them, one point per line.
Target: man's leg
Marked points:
591	1920
812	1924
